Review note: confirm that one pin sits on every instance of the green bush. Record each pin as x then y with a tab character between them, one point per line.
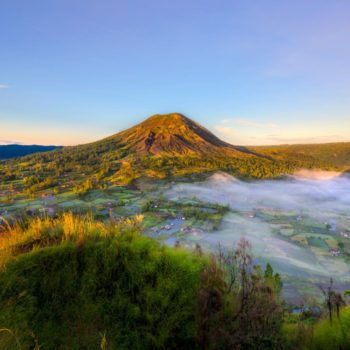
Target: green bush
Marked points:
128	289
74	283
335	336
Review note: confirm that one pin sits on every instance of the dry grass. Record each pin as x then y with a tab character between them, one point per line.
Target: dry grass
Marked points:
40	232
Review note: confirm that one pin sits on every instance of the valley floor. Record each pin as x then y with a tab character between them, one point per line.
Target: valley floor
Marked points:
306	242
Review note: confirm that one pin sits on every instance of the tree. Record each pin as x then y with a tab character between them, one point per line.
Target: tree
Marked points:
333	300
239	305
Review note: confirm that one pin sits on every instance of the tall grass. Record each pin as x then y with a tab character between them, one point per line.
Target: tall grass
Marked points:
335	336
72	283
38	232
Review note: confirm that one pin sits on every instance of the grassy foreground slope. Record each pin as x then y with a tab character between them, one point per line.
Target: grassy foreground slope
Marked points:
73	283
76	284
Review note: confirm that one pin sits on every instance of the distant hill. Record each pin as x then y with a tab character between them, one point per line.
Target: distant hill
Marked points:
162	146
14	151
335	154
172	135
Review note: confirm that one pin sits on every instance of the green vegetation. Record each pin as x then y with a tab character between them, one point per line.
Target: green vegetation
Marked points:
307	333
92	281
335	155
331	336
162	147
73	283
67	281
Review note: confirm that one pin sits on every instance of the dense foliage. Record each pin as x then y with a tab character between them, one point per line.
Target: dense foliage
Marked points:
72	283
75	283
97	282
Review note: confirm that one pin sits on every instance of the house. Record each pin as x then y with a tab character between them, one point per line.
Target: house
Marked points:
166	227
334	251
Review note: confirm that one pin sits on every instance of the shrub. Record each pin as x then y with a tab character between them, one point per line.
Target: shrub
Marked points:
331	336
137	293
74	283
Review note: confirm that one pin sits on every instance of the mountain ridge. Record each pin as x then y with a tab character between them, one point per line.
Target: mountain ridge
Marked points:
172	134
17	150
161	147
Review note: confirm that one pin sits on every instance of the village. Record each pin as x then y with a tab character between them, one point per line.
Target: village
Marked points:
163	219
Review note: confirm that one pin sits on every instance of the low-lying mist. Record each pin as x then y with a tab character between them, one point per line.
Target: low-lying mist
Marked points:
295	193
323	198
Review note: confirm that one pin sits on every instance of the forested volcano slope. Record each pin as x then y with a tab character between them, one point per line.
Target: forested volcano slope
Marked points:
162	146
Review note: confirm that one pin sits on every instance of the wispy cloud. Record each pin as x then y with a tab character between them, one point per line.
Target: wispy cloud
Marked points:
257	136
4	86
10	142
245	122
243	131
230	135
225	130
248	122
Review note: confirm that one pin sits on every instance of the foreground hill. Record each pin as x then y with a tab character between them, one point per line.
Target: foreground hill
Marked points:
162	146
72	283
14	151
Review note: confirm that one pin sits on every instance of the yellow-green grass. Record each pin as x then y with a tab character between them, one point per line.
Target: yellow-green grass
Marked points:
327	336
71	283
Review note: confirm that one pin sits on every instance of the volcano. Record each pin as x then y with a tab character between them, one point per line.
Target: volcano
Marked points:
174	135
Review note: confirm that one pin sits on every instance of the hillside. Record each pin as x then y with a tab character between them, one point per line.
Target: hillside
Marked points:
163	146
168	135
72	283
337	154
14	151
174	135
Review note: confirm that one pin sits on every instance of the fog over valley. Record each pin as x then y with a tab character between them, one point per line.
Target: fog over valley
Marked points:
294	223
294	193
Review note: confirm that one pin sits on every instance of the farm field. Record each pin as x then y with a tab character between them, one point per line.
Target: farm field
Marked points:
306	247
299	226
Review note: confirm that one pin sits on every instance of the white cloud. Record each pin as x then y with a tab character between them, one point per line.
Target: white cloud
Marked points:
258	136
250	123
225	130
245	131
10	142
245	122
226	121
3	86
232	136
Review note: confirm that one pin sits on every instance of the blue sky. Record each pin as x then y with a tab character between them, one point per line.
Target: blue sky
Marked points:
253	72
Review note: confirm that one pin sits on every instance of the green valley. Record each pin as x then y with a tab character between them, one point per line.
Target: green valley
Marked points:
151	238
